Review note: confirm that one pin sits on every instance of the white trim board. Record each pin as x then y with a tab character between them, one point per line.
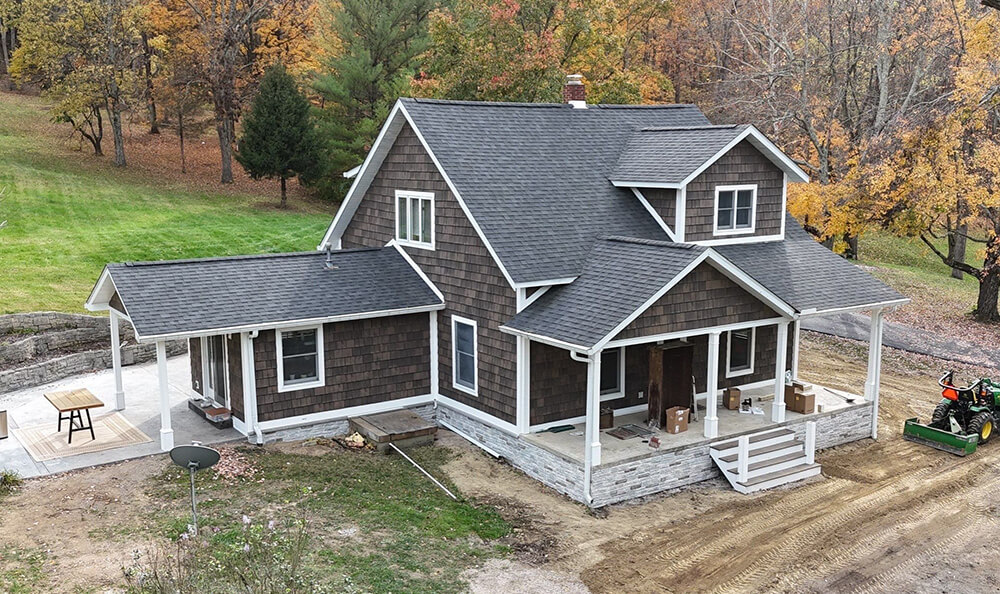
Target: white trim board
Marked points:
477	414
656	216
694	332
344	413
416	269
812	313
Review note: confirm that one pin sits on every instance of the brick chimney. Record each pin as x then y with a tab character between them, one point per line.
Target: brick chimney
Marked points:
574	93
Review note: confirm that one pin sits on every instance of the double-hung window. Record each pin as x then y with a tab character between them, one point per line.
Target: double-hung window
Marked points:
613	373
415	219
300	358
465	358
739	353
735	209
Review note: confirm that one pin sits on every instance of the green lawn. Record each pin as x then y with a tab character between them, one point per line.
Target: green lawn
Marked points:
68	214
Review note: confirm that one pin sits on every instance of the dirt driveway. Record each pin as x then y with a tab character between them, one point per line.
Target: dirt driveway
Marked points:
887	516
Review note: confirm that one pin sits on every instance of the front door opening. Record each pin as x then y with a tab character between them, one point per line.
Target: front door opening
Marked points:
215	376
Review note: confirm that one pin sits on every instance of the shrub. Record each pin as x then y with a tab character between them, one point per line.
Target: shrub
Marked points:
9	481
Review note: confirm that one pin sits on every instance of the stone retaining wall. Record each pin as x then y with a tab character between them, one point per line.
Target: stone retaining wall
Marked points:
47	333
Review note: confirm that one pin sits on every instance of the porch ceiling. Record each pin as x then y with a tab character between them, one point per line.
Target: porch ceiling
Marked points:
171	299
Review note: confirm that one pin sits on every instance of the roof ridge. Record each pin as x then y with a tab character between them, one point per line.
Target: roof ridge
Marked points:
548	105
677	128
652	242
240	257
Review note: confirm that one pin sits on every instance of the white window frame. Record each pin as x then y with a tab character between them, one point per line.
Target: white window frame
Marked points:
620	392
455	321
320	364
410	197
753	210
730	372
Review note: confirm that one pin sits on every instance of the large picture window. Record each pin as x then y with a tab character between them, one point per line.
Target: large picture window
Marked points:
415	219
740	351
613	374
464	363
300	358
735	209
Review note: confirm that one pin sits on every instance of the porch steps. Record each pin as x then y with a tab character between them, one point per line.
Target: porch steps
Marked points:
774	458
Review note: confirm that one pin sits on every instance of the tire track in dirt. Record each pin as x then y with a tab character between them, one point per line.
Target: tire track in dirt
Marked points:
700	561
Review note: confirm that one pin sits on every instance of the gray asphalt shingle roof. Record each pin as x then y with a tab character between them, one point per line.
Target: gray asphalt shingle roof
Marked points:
535	176
670	155
805	274
620	275
183	296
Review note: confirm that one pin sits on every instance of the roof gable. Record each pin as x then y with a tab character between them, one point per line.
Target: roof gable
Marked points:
533	178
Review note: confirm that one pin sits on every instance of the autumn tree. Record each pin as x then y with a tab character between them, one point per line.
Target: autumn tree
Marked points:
83	53
10	11
279	137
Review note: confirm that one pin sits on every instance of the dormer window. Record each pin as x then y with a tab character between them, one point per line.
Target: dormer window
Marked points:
415	219
735	209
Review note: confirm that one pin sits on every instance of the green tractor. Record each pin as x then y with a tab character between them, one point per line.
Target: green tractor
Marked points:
964	418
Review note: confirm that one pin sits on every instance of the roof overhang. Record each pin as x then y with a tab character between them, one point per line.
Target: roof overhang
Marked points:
709	256
754	136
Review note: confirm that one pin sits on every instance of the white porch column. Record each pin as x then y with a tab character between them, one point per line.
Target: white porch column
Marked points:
781	355
116	361
166	433
711	401
796	336
874	367
435	368
523	416
592	455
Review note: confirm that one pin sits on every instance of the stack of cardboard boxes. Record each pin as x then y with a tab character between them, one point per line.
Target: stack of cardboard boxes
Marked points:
800	398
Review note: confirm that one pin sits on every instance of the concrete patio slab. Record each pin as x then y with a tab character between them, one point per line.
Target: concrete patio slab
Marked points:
29	407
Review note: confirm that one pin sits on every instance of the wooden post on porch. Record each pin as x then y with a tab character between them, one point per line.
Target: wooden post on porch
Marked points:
778	406
116	361
166	433
711	400
874	367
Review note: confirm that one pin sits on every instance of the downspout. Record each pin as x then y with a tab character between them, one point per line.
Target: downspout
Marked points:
250	386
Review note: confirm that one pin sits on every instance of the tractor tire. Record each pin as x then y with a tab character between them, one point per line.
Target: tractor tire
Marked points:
939	419
982	425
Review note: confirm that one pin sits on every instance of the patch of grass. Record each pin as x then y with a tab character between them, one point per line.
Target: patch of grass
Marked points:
22	571
375	523
9	482
65	220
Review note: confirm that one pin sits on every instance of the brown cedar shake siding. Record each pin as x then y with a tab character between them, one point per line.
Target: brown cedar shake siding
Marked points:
366	362
235	362
743	164
460	266
664	202
704	298
194	353
559	384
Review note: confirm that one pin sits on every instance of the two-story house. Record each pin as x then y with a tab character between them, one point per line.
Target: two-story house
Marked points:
515	271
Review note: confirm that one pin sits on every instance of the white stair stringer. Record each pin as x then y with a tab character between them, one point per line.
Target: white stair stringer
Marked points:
775	458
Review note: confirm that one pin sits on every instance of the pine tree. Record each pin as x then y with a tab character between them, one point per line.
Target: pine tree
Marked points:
279	137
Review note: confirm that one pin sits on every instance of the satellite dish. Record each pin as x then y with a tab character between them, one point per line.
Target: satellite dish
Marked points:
194	457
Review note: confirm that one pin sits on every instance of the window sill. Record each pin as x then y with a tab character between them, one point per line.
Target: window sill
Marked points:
466	389
415	244
303	386
739	373
725	232
612	396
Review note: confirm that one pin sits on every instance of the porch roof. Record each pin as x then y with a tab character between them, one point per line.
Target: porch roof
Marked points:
623	276
174	299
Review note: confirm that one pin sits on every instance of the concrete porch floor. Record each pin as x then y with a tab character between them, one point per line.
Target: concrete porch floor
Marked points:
732	423
29	407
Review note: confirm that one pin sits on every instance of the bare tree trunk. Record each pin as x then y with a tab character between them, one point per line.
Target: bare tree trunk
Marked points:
147	59
180	133
986	304
956	247
115	113
851	253
224	128
284	199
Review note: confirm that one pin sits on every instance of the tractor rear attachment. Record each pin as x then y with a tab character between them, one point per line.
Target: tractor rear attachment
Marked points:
961	445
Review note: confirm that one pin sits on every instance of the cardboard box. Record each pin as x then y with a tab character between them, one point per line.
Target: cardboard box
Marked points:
731	398
803	403
607	418
677	419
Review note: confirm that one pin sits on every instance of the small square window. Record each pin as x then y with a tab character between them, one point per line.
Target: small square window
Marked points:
734	212
300	358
